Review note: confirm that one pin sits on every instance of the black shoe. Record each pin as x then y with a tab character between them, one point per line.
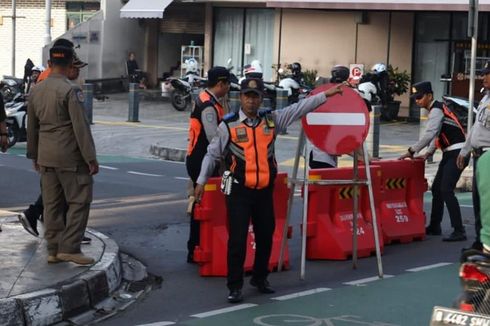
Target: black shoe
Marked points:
235	296
455	236
262	286
477	245
190	258
30	225
433	230
86	240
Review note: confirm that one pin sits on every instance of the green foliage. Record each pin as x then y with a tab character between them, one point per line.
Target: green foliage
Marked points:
398	82
309	76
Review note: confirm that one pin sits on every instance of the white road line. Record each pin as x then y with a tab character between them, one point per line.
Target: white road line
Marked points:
366	280
108	167
424	268
145	174
160	323
182	178
224	310
300	294
466	206
21	155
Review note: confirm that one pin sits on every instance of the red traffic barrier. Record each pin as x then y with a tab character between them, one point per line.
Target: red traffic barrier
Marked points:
402	200
211	254
329	230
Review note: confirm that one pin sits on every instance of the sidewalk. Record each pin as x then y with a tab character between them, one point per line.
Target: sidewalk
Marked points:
35	293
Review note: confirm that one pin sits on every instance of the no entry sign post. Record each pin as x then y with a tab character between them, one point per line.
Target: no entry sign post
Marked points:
339	126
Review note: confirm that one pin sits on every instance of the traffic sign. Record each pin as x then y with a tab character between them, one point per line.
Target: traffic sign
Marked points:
340	125
356	70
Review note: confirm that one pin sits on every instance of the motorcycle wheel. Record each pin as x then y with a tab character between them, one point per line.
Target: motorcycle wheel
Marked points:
179	100
13	134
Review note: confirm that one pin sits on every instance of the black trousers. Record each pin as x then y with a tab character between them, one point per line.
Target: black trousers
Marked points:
193	168
244	204
443	191
476	201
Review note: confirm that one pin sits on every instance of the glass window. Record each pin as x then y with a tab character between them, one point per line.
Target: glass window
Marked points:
78	12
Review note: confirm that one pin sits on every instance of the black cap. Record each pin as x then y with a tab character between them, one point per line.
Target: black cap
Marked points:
63	42
61	55
486	69
217	74
254	85
77	63
420	89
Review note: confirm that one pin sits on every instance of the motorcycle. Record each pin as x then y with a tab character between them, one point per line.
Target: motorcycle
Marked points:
460	107
10	87
472	307
181	96
293	83
16	111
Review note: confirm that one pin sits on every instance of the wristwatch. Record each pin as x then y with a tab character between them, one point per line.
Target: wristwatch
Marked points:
411	151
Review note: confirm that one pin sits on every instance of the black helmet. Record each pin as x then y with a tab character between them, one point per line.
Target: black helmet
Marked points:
339	74
295	68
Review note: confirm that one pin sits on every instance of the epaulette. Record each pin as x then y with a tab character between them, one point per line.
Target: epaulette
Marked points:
230	116
264	112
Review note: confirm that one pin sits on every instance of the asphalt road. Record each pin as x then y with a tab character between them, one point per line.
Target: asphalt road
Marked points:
141	204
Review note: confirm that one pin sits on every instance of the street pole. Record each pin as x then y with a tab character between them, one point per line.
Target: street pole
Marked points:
47	23
14	7
473	33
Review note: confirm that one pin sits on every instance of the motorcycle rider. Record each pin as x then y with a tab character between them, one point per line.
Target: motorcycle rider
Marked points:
381	80
444	131
35	73
478	142
205	118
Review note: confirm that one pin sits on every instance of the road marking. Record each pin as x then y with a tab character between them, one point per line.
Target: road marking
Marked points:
182	178
366	280
145	174
108	167
21	155
424	268
132	124
160	323
224	310
300	294
466	206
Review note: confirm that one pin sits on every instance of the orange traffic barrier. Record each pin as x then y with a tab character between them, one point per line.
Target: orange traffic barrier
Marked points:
402	200
211	254
329	231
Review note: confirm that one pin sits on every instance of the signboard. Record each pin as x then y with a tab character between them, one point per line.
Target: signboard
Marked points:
340	125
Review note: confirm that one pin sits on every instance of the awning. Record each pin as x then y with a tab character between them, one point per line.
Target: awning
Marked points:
425	5
144	8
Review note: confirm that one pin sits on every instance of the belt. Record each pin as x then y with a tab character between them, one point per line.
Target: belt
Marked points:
453	147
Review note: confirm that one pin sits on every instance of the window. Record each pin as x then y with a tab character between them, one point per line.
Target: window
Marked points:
79	12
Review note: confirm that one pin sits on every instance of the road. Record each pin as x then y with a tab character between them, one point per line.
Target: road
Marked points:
140	203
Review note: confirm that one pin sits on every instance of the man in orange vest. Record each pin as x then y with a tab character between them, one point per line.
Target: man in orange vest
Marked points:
445	132
246	141
205	117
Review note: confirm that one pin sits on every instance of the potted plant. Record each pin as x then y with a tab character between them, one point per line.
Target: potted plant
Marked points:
398	82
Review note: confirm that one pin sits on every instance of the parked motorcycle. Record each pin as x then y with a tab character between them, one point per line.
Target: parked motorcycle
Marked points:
293	83
460	106
16	111
472	307
181	96
10	87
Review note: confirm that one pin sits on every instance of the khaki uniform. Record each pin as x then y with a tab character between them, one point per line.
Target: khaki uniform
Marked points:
60	141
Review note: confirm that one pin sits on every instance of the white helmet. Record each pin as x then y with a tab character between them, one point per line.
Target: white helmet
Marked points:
254	69
191	65
367	90
39	68
379	67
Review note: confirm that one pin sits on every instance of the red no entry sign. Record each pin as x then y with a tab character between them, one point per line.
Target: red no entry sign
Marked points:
340	125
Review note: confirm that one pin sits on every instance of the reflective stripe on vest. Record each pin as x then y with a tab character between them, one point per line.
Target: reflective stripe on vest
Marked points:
251	153
197	138
452	131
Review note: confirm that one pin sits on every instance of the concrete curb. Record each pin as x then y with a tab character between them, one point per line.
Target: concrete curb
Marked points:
168	153
68	298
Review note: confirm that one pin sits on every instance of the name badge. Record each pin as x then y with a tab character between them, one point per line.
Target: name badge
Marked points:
241	135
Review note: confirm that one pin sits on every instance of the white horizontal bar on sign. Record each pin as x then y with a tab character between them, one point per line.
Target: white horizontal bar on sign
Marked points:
300	294
335	119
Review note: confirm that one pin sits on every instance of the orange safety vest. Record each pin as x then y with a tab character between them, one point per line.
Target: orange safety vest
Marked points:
198	142
452	131
251	157
45	74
